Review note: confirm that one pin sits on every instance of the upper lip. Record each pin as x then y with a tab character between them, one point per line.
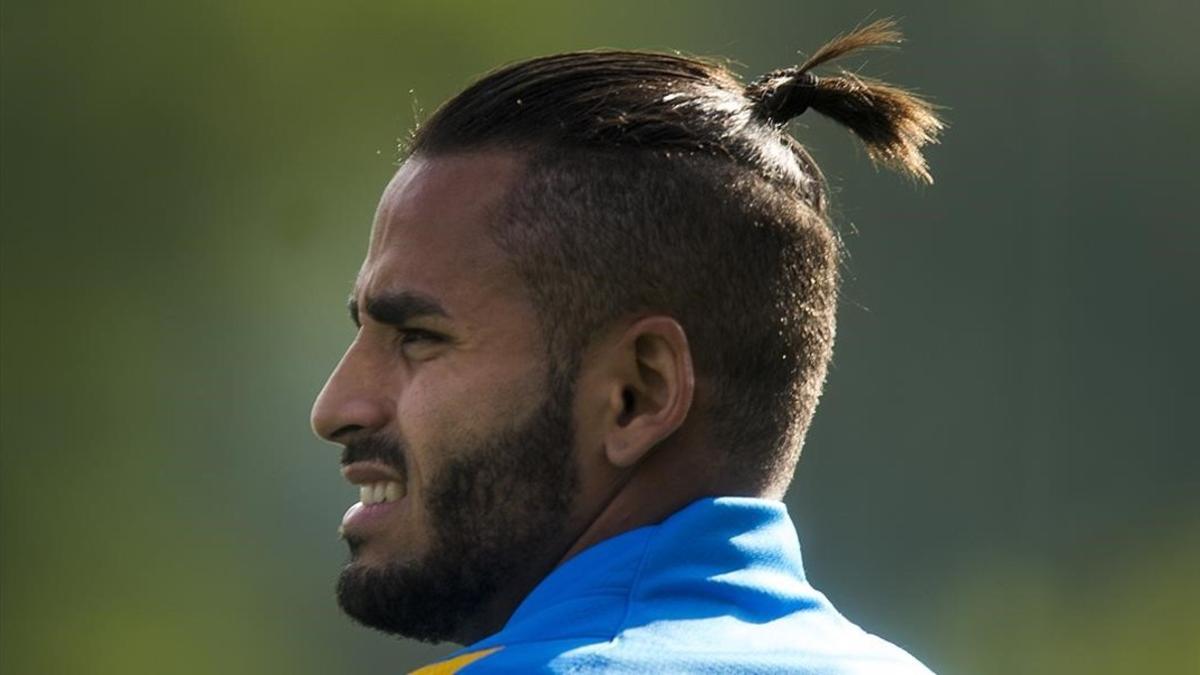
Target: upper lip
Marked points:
368	473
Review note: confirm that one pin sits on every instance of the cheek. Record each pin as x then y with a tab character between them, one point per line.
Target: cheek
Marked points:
445	408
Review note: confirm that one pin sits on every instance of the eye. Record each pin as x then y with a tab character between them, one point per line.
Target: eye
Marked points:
408	336
415	337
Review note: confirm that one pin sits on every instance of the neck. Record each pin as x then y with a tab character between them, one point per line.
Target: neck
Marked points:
667	480
678	472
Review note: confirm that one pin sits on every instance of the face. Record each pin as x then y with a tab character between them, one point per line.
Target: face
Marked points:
454	425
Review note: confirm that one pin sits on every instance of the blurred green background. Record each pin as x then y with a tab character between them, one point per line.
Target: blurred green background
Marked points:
1003	476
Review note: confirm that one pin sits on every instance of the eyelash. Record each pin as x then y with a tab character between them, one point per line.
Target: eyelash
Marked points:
405	336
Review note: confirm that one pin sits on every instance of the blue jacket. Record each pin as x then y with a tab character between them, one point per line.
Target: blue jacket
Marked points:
718	587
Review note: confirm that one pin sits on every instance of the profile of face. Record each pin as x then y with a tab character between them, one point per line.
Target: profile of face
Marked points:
454	423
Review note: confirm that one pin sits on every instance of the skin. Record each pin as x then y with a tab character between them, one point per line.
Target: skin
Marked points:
641	456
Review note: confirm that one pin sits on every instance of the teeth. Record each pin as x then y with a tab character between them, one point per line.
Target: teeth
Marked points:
374	493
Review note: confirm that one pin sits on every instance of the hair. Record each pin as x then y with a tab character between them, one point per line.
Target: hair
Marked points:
661	183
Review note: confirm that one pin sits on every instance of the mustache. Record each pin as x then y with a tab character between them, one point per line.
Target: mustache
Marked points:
377	447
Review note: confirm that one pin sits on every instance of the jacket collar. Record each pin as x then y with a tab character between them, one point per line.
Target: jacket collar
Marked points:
716	551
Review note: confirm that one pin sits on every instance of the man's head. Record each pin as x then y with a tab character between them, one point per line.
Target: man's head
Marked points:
601	285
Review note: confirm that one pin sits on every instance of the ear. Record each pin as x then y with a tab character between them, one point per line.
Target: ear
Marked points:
650	388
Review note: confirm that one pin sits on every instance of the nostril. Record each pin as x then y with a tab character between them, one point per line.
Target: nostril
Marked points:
347	430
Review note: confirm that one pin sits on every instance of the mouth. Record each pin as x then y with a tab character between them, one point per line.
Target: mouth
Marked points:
380	491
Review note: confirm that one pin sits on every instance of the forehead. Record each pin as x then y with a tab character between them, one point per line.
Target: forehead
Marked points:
431	230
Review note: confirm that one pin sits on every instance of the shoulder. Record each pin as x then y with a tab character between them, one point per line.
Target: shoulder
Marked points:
717	588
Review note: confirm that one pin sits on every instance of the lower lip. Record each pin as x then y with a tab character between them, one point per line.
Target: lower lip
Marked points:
359	518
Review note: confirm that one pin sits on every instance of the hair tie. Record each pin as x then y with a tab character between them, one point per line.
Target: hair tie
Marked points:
805	89
783	95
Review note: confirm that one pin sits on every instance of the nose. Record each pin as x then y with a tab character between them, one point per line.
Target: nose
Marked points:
353	399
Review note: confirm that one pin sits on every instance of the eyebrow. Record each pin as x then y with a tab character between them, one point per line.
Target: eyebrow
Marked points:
397	309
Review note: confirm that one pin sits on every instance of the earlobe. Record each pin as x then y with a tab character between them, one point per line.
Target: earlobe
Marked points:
653	393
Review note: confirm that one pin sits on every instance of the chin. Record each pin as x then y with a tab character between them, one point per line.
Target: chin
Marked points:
412	599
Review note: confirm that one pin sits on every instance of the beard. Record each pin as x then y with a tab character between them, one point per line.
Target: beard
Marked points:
495	508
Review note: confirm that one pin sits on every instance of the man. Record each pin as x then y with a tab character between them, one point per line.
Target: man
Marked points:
594	320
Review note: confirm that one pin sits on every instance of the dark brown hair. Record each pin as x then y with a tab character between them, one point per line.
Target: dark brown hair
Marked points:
661	183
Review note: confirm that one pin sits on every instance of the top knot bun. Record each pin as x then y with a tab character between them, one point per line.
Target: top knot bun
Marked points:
893	123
